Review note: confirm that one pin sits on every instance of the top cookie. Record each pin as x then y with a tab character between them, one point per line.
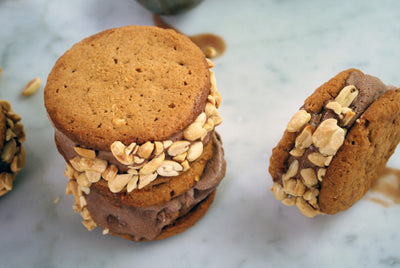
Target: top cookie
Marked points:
129	84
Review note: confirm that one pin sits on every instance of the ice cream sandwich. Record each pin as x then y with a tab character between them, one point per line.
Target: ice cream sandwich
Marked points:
337	144
134	111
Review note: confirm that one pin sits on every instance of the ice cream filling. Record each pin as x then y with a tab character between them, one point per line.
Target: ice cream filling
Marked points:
66	148
146	223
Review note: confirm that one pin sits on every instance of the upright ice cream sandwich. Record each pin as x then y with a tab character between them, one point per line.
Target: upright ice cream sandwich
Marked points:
134	111
336	145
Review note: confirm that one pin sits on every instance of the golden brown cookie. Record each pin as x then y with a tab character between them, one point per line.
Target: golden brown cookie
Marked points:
336	144
364	154
133	84
134	110
12	136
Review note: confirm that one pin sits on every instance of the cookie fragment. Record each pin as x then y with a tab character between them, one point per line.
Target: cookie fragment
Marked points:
12	156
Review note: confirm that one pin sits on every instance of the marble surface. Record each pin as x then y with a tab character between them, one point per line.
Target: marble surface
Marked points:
278	52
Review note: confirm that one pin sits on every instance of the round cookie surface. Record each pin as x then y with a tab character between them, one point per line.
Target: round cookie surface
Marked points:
364	154
108	88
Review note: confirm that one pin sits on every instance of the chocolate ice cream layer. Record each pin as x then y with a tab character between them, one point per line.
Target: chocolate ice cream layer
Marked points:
146	223
66	146
370	89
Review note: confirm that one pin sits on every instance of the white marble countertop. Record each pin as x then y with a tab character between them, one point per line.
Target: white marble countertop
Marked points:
278	52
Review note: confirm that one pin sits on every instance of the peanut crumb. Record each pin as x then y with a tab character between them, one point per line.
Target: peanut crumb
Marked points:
57	200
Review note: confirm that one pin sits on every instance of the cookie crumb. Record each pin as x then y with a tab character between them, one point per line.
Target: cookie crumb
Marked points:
56	200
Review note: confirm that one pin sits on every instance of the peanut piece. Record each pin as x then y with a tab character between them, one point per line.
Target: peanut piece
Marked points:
119	182
152	165
110	172
82	180
167	143
132	184
310	194
334	106
209	109
347	118
321	174
9	150
297	152
304	139
185	165
309	177
118	151
131	148
158	148
319	160
290	201
76	163
9	134
180	157
328	137
146	179
93	164
193	131
299	119
31	87
178	148
292	171
305	208
93	176
85	152
69	171
169	168
201	118
209	62
347	95
278	192
145	150
194	152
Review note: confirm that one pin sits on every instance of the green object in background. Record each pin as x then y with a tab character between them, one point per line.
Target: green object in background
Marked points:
169	7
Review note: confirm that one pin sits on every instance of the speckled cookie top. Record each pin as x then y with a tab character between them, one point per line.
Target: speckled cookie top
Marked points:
131	84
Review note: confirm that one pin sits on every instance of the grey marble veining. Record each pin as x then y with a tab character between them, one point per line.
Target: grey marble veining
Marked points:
278	52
